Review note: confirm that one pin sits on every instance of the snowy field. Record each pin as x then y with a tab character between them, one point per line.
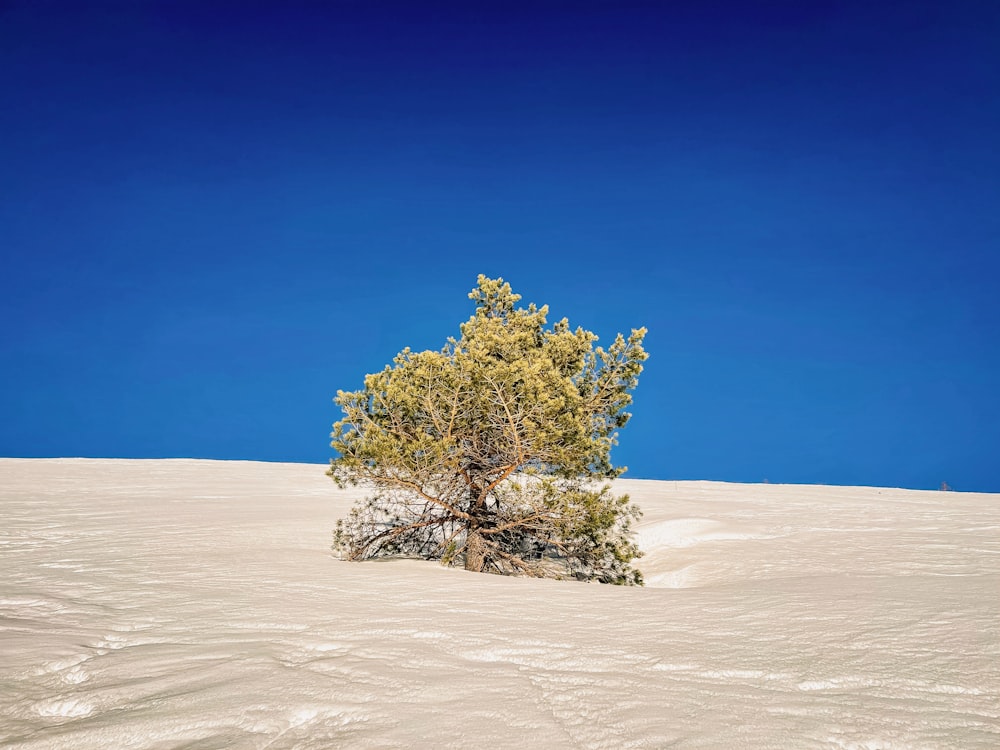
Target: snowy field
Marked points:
195	604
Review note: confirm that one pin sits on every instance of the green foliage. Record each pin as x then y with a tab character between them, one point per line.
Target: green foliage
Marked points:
486	452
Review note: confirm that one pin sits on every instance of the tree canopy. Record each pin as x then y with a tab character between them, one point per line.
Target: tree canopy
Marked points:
494	451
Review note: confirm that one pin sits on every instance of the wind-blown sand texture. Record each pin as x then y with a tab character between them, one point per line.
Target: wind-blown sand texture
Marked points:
195	604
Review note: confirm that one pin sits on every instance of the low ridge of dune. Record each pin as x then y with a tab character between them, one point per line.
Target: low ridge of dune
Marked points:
185	603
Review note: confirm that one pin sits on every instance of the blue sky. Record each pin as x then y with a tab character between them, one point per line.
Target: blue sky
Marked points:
213	216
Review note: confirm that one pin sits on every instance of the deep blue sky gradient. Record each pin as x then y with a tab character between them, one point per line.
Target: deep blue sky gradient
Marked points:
213	216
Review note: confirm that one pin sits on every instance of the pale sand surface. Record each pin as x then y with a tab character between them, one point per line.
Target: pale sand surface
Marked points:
195	604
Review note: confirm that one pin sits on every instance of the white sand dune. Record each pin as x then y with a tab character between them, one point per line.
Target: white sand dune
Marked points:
195	604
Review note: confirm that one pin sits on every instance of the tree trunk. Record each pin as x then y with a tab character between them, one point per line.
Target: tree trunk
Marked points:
475	551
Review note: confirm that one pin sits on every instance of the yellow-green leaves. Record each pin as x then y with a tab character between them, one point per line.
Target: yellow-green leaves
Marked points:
450	439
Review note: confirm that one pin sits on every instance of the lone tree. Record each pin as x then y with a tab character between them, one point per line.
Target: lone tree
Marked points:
490	452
